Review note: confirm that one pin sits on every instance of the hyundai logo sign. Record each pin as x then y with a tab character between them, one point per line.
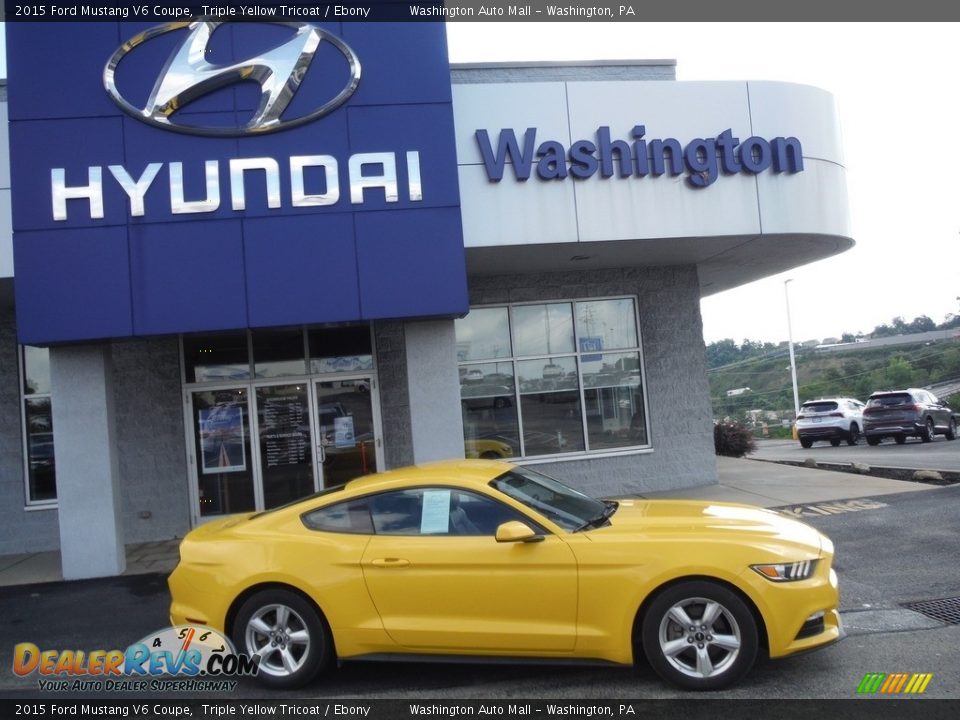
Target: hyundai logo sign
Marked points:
187	76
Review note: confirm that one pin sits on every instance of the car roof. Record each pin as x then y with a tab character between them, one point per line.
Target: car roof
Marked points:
477	473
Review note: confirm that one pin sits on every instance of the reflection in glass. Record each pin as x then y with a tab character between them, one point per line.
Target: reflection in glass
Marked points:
345	348
278	353
606	324
543	329
36	370
483	334
550	406
613	396
345	430
42	471
221	426
216	357
487	398
286	454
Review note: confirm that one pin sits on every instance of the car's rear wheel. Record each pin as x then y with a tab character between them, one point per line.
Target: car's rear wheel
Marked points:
928	431
699	635
952	429
873	441
853	437
899	439
804	443
293	642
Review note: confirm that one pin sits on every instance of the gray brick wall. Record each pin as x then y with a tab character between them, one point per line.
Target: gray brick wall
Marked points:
394	396
150	439
24	531
678	395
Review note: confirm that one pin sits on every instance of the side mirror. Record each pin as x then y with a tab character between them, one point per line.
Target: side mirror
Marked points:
516	531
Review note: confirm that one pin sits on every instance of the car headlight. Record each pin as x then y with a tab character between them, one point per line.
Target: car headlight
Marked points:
787	572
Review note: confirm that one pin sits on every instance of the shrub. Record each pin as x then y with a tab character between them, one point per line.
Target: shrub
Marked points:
733	439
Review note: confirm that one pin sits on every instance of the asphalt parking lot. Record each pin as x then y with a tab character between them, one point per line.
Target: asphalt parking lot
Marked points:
884	557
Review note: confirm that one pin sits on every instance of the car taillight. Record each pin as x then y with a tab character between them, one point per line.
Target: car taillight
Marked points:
801	417
836	414
912	408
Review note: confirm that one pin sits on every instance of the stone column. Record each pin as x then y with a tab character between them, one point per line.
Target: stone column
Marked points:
88	494
433	384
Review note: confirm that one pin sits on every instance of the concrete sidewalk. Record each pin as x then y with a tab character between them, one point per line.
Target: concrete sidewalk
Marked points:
768	484
753	482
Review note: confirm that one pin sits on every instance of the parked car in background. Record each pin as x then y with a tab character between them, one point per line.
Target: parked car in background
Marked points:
833	419
913	412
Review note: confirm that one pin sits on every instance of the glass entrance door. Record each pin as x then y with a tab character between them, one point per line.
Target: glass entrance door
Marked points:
347	429
285	443
225	469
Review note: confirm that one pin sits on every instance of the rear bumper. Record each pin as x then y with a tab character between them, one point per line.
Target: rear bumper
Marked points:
886	429
820	432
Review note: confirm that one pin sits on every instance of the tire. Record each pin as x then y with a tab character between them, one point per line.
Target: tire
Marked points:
900	439
835	442
873	441
700	663
853	437
291	663
806	444
929	431
951	433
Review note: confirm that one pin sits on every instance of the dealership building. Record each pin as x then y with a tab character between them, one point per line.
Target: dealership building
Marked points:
243	262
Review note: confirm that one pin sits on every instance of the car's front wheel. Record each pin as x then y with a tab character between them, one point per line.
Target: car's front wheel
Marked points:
699	635
952	429
292	641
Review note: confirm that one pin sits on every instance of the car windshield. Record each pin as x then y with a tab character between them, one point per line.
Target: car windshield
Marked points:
568	508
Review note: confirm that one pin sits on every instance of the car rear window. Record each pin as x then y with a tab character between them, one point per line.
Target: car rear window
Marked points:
890	400
820	407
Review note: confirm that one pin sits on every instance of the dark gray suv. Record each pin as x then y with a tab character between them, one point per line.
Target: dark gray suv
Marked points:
904	413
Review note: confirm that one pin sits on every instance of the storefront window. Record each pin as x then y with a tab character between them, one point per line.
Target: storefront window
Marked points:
216	357
340	349
562	390
278	353
484	334
41	475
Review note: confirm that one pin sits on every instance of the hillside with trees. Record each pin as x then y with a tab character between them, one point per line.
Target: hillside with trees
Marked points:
764	368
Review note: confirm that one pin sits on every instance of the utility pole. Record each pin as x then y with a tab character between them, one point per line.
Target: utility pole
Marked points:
793	362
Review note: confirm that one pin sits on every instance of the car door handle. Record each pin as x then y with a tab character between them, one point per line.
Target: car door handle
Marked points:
390	562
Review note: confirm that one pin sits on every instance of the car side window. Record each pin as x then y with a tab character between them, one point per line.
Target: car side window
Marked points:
352	516
439	511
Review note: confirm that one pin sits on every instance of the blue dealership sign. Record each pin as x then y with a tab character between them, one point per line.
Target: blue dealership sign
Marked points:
201	176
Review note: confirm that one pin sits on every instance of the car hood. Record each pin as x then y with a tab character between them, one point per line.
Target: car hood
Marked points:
683	516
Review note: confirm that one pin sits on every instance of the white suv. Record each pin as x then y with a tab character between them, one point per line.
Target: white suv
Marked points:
832	419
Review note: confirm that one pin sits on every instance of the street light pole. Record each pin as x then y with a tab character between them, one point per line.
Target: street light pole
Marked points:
793	362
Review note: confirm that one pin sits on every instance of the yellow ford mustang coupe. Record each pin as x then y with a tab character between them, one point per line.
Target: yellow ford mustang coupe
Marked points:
484	558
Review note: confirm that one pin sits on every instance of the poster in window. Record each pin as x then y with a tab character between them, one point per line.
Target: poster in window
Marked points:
343	436
221	439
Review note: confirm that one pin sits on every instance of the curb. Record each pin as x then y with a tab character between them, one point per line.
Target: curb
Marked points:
946	477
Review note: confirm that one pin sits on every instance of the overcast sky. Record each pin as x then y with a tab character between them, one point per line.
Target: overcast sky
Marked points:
898	91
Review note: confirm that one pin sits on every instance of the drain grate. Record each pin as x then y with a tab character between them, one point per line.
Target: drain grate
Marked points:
946	610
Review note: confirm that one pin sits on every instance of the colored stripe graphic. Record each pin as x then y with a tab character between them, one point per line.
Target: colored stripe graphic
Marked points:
894	683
